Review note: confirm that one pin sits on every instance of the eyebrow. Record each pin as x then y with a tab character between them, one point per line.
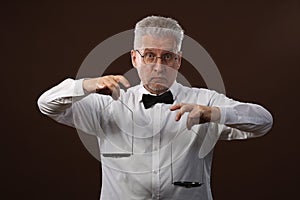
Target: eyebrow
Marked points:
152	49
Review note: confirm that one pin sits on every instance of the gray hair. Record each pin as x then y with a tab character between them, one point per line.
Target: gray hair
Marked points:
158	26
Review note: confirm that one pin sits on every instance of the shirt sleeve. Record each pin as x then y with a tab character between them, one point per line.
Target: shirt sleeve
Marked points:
241	120
68	104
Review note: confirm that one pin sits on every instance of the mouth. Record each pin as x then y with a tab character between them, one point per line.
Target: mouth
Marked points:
158	83
158	79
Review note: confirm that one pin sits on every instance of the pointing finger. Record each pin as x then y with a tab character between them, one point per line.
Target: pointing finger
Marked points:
122	80
182	110
175	107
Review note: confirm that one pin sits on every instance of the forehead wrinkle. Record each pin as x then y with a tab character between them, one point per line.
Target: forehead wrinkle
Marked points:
162	43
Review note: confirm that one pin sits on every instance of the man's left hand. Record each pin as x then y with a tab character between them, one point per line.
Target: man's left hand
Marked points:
198	114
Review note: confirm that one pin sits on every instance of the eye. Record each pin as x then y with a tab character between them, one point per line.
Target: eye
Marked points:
149	55
167	56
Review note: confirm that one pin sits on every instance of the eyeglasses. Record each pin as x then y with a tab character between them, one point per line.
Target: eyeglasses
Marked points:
168	58
122	153
186	184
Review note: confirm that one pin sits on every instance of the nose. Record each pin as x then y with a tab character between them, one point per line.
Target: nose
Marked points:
158	67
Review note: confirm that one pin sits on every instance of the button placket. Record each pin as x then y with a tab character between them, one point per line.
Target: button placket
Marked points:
155	150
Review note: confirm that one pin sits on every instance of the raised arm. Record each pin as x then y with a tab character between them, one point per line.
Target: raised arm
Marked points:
241	120
73	102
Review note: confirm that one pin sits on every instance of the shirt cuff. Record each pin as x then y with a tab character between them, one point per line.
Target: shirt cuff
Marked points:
228	115
78	88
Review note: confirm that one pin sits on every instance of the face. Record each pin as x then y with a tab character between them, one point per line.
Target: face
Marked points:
157	77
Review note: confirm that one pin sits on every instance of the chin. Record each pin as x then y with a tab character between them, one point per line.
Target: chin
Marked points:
157	88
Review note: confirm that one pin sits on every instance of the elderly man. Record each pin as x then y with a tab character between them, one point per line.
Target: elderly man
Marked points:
156	139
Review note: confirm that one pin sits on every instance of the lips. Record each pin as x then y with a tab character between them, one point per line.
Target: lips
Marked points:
158	78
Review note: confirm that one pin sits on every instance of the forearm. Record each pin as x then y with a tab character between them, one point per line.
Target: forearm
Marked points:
250	119
247	117
71	102
58	99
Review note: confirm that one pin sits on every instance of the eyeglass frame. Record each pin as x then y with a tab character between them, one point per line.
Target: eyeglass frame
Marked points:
186	184
161	58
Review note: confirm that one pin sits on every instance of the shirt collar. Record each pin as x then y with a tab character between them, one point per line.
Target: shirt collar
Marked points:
174	89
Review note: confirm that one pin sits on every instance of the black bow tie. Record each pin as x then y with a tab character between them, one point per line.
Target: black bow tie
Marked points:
150	100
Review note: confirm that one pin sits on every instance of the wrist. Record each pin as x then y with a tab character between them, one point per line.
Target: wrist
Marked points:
89	85
215	114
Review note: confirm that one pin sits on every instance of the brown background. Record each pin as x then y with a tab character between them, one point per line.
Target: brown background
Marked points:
255	45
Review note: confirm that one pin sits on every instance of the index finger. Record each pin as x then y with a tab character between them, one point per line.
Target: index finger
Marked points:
176	106
123	80
183	109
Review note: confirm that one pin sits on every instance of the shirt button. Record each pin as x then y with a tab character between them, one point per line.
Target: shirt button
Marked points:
154	171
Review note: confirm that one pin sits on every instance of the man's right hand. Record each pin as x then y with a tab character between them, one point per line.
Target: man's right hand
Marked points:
108	85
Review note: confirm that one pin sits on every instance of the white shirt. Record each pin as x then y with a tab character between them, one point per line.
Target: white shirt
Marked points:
153	137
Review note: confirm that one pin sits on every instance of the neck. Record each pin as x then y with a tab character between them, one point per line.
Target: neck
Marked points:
155	90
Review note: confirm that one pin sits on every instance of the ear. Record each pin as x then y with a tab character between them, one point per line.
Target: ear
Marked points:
133	58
